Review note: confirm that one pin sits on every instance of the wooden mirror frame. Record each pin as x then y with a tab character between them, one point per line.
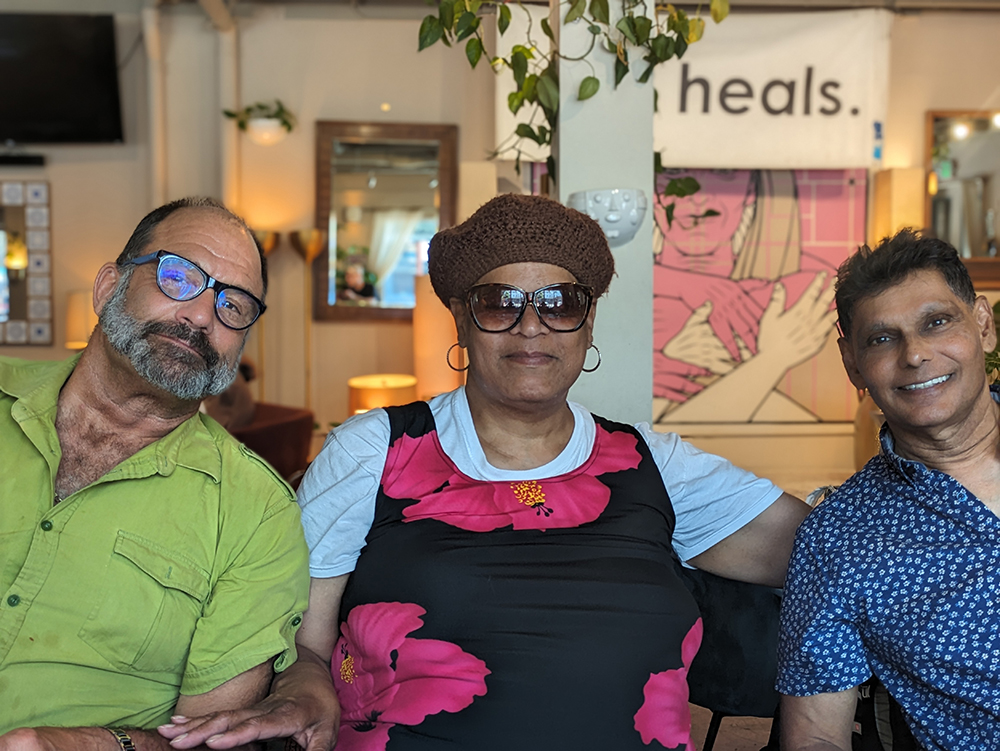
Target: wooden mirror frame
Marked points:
326	132
984	271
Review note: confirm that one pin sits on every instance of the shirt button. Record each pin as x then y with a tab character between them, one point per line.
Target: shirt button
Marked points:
296	620
46	525
13	601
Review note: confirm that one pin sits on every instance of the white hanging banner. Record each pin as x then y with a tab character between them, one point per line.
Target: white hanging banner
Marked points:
782	90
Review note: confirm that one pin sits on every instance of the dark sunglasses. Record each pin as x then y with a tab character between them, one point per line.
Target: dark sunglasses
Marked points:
562	307
181	280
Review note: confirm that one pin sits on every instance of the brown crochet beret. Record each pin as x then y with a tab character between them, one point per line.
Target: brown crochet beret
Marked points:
514	228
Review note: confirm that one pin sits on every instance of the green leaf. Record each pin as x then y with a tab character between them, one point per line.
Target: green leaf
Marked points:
649	70
656	100
550	168
466	25
529	88
515	100
682	187
626	25
642	27
662	47
524	130
696	218
519	64
547	30
680	45
594	29
474	5
588	87
679	24
599	10
719	10
658	163
669	211
430	32
621	68
446	12
575	11
503	18
526	51
544	135
548	93
474	51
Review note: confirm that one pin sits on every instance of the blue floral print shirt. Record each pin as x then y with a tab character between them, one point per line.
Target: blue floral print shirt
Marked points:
898	574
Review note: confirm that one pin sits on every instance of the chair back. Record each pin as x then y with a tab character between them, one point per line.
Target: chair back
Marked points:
734	671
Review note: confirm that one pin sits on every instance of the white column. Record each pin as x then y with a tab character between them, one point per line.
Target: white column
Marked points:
229	99
607	142
157	105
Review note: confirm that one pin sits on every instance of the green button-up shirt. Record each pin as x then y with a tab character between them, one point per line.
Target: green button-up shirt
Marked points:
179	569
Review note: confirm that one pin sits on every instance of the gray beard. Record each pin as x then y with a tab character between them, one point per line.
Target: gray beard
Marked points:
177	371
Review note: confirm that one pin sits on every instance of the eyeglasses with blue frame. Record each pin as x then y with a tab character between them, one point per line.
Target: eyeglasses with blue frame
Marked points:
182	280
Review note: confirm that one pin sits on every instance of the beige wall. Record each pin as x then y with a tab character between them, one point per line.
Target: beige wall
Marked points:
345	68
938	61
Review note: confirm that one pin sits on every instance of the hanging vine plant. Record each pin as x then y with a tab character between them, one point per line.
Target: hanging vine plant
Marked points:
635	36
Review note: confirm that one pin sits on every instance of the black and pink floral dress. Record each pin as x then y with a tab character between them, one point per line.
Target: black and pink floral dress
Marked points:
542	614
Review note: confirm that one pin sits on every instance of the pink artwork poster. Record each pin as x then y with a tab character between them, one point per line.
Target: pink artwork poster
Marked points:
743	328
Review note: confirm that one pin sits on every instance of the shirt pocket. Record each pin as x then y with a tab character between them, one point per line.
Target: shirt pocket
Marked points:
151	601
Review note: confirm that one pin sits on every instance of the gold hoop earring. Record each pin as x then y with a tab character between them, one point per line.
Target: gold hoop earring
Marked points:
447	359
591	370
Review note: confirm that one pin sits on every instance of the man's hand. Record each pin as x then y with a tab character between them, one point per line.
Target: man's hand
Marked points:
303	706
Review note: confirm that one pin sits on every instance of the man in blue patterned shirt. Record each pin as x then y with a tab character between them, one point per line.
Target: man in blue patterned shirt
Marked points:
898	572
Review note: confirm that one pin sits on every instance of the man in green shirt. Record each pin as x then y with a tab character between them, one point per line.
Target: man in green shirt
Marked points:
150	565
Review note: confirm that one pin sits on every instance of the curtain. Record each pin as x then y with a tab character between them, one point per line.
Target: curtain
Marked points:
390	232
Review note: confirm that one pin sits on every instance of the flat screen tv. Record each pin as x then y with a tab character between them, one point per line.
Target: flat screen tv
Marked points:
58	79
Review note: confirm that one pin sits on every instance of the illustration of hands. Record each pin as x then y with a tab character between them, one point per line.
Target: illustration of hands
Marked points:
799	333
697	344
734	312
672	379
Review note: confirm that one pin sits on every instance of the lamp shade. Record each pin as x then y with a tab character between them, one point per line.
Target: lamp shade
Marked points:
80	319
433	333
266	131
380	390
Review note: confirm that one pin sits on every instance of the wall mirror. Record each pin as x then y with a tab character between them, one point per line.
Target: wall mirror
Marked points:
382	191
25	263
962	202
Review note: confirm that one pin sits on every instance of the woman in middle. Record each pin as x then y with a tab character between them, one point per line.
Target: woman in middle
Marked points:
494	569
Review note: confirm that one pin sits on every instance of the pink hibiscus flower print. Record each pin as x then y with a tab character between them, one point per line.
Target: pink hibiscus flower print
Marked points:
418	468
384	678
664	715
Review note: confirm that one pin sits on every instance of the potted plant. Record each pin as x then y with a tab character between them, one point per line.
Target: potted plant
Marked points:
264	123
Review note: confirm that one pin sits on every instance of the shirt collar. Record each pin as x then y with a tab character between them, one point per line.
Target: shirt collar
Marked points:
191	444
909	468
21	380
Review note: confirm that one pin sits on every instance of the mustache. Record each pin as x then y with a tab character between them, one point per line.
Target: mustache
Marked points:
195	339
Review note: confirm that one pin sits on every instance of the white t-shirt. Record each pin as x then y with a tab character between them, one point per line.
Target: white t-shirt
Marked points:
711	498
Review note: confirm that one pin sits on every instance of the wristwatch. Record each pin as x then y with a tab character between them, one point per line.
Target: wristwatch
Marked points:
123	738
